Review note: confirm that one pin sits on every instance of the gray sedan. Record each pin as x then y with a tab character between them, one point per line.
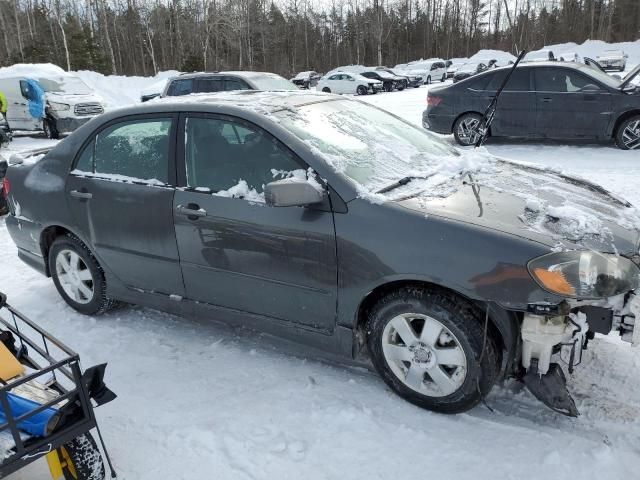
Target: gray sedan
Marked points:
336	224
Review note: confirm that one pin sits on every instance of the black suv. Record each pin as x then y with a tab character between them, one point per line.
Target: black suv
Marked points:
554	100
203	82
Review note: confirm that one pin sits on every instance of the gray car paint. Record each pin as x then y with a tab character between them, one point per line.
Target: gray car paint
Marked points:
319	265
533	114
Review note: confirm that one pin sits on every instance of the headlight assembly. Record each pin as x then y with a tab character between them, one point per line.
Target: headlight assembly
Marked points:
585	274
58	107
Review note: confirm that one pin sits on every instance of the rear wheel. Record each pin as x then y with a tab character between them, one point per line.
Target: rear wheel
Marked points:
628	134
431	348
361	90
465	129
78	276
80	459
444	77
428	80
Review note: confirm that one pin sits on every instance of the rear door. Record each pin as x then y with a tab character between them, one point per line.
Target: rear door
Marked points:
235	251
234	83
516	111
121	195
570	104
18	115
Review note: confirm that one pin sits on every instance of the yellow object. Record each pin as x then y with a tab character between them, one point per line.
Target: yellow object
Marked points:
54	466
59	461
554	281
9	366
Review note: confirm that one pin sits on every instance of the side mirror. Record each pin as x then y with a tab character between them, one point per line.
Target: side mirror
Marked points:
616	76
292	192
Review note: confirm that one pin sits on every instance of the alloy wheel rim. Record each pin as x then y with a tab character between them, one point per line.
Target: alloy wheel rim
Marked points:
631	135
74	276
424	355
468	130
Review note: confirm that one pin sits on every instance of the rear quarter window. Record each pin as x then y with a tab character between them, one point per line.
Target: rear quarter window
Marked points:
180	87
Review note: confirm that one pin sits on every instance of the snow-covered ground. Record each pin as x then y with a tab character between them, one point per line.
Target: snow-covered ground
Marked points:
200	400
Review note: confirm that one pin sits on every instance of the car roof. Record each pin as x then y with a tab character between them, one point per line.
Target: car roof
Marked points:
263	102
243	74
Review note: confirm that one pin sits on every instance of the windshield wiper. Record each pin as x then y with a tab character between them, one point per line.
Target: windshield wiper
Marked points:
403	181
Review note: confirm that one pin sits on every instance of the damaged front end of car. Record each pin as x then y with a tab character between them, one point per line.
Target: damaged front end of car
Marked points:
600	297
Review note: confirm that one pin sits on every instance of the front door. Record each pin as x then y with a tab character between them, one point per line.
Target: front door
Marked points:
235	251
121	197
570	104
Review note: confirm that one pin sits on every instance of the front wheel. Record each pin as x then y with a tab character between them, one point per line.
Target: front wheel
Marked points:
361	90
444	77
432	350
628	134
326	90
78	276
80	459
465	129
428	80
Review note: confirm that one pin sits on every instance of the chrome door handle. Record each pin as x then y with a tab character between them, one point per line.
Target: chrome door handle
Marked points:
82	195
190	211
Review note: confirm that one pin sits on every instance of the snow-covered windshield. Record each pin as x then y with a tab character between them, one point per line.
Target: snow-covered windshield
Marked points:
67	84
468	68
302	76
368	145
272	82
384	74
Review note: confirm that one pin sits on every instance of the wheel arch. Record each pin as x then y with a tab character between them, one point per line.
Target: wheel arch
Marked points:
49	234
621	118
503	323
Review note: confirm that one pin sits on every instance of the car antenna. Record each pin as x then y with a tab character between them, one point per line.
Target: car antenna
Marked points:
490	112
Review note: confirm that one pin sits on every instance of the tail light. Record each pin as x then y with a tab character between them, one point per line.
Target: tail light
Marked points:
433	100
6	187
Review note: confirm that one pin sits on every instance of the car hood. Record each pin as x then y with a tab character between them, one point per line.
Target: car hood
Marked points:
73	99
539	204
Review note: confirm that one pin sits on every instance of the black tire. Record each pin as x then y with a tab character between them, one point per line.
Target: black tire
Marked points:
81	459
50	129
428	81
99	302
388	87
362	90
444	77
326	90
469	116
463	322
623	142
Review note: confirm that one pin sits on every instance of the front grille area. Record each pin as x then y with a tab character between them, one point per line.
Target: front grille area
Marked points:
88	109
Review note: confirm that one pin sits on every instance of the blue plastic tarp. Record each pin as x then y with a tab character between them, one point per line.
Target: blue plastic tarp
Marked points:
39	424
35	95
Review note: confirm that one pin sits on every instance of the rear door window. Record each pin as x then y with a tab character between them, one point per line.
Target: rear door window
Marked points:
235	84
207	85
136	150
519	81
561	80
180	87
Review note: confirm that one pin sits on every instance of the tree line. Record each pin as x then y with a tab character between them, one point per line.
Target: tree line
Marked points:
143	37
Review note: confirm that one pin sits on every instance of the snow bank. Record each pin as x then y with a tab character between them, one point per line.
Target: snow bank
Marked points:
120	91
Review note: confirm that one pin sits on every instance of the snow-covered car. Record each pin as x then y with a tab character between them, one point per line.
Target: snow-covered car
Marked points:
389	81
469	70
410	80
453	68
204	82
153	91
326	220
49	102
613	60
430	70
306	79
347	82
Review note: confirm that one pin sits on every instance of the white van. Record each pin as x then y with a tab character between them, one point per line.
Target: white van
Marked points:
68	103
